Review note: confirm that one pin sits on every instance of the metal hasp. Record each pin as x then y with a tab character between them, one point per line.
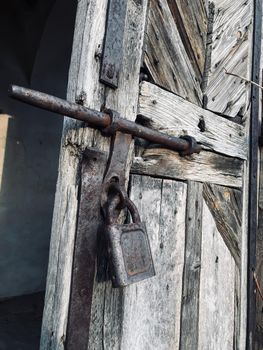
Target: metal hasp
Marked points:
108	122
113	43
129	253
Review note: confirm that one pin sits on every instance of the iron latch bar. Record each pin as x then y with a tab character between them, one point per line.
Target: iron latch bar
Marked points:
109	122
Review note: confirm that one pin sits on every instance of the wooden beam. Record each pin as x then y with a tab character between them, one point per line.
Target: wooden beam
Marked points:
176	116
204	167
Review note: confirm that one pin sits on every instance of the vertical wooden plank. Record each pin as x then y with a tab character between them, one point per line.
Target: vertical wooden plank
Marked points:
84	68
253	175
192	266
237	339
259	269
84	88
217	289
151	318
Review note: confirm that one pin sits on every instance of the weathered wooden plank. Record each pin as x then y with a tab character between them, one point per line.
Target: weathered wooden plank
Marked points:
191	20
151	318
203	167
225	205
74	141
237	339
176	116
259	257
231	51
217	284
192	266
84	87
165	55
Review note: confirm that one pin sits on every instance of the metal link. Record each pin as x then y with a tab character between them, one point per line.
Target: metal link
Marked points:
118	201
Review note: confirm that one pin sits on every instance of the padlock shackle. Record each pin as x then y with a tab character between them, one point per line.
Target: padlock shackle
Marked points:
121	202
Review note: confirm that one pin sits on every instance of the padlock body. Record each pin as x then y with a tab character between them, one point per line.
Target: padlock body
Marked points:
130	254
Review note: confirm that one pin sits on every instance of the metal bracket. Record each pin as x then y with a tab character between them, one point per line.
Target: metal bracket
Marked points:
113	43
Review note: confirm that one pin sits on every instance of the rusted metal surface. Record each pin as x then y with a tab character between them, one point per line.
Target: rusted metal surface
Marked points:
109	122
60	106
115	173
129	249
113	44
85	254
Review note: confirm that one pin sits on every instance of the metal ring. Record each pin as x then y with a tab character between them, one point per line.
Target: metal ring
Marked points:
116	204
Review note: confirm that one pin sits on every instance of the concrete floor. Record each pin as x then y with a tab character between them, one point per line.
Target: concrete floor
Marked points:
20	322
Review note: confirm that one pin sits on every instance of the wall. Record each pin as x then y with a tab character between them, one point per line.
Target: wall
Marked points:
29	149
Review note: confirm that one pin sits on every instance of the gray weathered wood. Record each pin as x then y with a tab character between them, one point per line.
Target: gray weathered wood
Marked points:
237	310
152	307
165	54
191	20
225	205
217	284
192	266
174	115
231	50
84	87
203	167
259	268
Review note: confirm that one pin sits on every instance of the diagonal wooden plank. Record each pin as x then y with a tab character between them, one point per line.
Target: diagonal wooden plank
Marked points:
165	55
225	205
174	115
191	20
230	50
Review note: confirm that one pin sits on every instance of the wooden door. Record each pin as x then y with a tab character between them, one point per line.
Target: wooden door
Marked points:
194	207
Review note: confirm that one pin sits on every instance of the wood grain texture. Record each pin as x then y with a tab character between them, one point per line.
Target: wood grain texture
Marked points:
84	88
217	289
151	318
203	167
191	20
259	268
74	140
237	337
231	50
225	205
165	54
174	115
192	266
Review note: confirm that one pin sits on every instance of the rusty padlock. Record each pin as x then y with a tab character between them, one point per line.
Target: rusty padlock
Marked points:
128	246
